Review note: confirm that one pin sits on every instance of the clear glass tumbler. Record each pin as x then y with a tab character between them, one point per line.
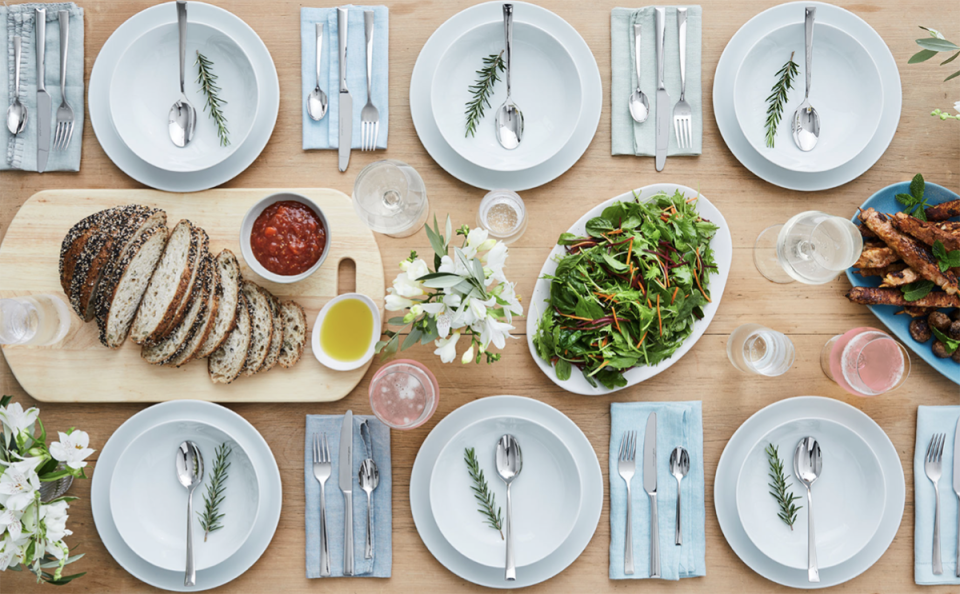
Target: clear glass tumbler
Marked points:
404	394
389	196
753	348
812	248
865	362
37	320
503	214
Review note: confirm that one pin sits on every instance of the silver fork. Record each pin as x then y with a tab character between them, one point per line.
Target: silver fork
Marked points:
64	132
627	467
682	114
322	468
369	117
933	467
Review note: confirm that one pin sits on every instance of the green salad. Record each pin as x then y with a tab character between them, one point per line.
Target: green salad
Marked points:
628	293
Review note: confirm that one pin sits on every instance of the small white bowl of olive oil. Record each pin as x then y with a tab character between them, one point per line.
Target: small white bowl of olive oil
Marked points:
346	332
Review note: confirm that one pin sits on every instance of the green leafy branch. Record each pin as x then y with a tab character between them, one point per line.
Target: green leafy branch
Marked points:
213	497
481	492
778	98
780	488
933	45
208	83
481	90
915	203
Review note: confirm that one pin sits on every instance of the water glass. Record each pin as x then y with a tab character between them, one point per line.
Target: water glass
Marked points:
404	394
753	348
37	320
865	362
389	196
812	248
503	214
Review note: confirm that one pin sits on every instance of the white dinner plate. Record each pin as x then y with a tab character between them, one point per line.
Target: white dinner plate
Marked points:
846	93
144	86
724	85
424	72
246	153
252	443
545	86
848	496
591	480
722	244
147	501
546	496
739	447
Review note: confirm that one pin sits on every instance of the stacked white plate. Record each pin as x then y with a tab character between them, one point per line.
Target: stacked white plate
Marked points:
557	498
855	89
858	497
135	81
139	506
555	82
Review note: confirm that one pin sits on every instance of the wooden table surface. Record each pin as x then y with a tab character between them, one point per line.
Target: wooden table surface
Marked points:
809	315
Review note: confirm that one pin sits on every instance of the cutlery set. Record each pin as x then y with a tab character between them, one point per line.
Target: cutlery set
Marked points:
933	468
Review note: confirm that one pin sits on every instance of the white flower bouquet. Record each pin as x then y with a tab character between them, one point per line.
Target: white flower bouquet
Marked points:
32	530
465	295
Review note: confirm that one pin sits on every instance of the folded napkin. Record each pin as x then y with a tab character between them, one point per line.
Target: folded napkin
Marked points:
325	133
381	563
678	424
930	420
21	150
629	137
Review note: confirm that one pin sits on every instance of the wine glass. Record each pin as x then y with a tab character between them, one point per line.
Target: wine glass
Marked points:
389	196
812	248
865	362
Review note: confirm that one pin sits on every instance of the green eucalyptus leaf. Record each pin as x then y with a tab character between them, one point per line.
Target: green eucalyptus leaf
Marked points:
921	56
937	45
950	59
952	76
411	338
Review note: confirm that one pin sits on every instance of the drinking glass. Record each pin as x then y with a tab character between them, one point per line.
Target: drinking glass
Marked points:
865	362
753	348
404	394
389	196
38	320
812	248
503	214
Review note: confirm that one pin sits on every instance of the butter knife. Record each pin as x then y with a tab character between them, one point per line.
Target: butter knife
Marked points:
346	485
346	101
956	484
44	103
650	482
663	99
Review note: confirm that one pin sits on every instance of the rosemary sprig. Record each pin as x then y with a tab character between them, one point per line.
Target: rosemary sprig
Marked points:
208	83
213	497
482	493
778	97
780	492
482	89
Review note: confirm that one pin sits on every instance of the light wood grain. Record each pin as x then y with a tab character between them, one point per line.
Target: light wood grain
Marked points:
808	314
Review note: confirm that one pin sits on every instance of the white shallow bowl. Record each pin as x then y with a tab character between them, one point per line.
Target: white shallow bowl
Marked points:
246	227
545	86
848	497
144	86
328	361
846	92
148	503
546	495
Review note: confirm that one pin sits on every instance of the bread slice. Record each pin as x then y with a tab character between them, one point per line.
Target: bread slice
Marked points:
202	252
276	342
226	363
73	244
261	326
168	285
294	333
205	321
119	294
226	318
161	352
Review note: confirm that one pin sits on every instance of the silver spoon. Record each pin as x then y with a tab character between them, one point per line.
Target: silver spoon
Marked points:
806	120
190	475
16	113
317	99
509	117
639	106
509	465
679	466
807	463
369	479
183	117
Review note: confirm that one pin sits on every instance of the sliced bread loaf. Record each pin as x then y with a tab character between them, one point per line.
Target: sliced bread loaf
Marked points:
162	351
294	333
276	342
226	363
261	326
226	318
205	321
202	252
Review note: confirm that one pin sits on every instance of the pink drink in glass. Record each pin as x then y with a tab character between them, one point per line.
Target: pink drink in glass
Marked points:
404	394
867	362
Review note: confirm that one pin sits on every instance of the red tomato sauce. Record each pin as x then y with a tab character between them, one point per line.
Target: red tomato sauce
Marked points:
288	238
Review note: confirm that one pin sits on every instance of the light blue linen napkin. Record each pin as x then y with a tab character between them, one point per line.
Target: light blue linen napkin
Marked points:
325	133
627	136
382	562
21	150
930	420
678	424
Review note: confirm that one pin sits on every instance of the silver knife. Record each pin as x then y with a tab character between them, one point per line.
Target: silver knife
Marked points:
346	485
346	101
663	99
650	484
44	103
956	484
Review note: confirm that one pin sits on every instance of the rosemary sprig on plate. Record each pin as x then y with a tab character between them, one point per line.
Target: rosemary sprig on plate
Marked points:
780	489
208	83
481	491
481	90
213	497
778	97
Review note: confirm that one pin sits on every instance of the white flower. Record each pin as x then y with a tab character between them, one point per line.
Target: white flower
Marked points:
71	449
11	551
956	106
475	240
452	266
16	419
10	521
447	348
405	286
418	268
467	355
476	310
55	520
396	303
495	331
18	484
496	258
508	295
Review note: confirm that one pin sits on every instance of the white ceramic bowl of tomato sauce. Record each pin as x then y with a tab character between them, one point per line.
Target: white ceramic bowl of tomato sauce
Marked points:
299	220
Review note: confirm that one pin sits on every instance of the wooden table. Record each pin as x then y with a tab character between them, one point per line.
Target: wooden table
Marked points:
809	315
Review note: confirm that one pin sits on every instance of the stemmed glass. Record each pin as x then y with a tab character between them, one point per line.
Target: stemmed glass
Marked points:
865	362
389	196
812	248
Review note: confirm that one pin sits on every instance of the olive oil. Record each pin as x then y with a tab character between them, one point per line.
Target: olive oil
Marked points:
346	330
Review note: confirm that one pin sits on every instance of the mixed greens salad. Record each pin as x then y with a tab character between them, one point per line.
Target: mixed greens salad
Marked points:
628	293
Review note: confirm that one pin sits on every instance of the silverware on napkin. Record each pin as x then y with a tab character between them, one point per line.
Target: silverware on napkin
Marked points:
663	98
679	466
369	480
44	103
322	469
346	485
682	114
346	101
956	485
17	112
369	115
650	476
933	467
61	140
627	467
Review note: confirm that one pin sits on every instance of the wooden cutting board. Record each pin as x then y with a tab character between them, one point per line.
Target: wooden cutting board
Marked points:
80	369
